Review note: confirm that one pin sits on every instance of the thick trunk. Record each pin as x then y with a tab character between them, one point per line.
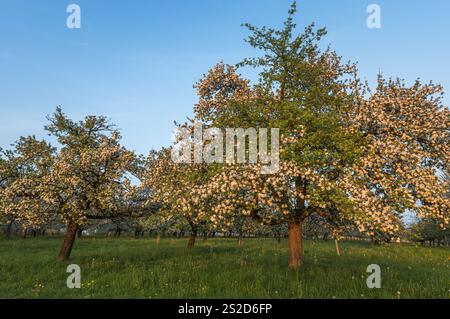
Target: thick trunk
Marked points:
338	250
69	239
192	239
158	239
79	232
295	243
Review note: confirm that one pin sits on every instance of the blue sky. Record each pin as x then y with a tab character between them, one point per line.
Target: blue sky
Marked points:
136	61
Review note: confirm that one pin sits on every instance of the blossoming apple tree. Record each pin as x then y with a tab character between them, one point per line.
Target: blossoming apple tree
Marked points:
89	177
353	157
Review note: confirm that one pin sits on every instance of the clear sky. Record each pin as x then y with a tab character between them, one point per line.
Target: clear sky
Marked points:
136	61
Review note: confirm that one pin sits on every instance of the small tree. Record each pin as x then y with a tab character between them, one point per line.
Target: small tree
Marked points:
429	230
88	178
181	188
21	171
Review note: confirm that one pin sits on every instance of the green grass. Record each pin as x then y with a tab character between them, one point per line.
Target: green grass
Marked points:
218	268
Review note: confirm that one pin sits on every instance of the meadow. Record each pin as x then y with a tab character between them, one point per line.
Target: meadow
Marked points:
218	268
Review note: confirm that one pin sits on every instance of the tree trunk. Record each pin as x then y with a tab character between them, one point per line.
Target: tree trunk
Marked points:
278	236
158	239
79	232
240	241
192	239
8	230
69	239
338	250
295	243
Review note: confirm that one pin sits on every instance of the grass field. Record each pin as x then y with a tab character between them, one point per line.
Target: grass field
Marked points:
218	268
